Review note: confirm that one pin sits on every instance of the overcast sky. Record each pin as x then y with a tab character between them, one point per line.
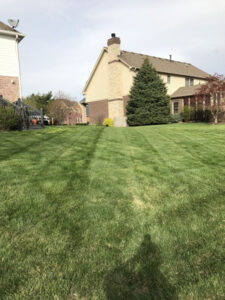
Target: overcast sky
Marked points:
64	37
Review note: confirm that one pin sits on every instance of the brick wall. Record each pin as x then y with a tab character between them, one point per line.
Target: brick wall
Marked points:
9	88
98	110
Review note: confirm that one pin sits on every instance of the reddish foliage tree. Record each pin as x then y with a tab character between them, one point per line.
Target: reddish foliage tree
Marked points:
58	111
64	111
211	96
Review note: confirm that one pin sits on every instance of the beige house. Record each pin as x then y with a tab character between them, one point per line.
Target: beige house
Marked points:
107	89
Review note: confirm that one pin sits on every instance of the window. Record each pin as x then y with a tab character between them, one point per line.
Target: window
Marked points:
189	81
87	110
168	78
175	107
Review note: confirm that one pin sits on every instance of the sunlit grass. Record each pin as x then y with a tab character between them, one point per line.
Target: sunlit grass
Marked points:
113	213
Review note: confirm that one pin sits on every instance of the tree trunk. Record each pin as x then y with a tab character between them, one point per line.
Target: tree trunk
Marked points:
216	120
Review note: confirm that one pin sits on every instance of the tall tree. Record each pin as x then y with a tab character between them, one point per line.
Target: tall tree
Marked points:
39	100
211	96
149	102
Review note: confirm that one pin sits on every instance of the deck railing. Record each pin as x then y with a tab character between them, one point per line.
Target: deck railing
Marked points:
30	117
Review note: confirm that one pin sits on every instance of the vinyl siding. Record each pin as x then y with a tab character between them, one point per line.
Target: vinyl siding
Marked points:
9	65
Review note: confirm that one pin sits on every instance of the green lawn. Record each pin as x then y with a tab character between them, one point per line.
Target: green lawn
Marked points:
113	213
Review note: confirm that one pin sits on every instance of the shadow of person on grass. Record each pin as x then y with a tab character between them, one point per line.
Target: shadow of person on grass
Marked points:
140	277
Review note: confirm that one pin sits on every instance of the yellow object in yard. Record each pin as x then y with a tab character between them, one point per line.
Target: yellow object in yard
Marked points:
108	122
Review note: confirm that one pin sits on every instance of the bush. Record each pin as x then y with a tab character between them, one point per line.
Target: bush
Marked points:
149	103
108	122
177	118
188	113
9	120
203	115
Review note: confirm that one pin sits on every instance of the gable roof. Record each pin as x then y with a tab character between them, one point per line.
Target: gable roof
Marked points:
186	91
162	65
94	69
5	29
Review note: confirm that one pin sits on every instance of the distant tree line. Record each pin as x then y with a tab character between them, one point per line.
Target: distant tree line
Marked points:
59	107
39	100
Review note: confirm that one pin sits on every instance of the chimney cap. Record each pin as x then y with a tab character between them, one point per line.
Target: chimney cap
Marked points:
113	40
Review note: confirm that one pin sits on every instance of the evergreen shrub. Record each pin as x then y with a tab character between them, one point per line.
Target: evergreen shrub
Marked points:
202	115
148	100
9	120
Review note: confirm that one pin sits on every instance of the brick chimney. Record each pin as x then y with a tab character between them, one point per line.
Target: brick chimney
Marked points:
113	47
115	104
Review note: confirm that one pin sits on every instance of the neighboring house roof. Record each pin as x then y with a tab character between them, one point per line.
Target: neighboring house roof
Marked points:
162	65
5	29
68	104
83	102
186	91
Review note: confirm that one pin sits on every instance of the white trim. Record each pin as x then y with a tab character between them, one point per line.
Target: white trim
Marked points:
16	34
94	69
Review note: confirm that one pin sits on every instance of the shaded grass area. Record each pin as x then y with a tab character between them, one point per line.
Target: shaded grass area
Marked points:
114	213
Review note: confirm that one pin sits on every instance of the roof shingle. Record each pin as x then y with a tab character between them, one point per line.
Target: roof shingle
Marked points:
162	65
6	27
186	91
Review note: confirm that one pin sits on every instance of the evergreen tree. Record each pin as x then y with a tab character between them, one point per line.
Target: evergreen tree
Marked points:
39	100
149	102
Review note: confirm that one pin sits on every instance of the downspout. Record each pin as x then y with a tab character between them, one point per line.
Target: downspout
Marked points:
18	56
